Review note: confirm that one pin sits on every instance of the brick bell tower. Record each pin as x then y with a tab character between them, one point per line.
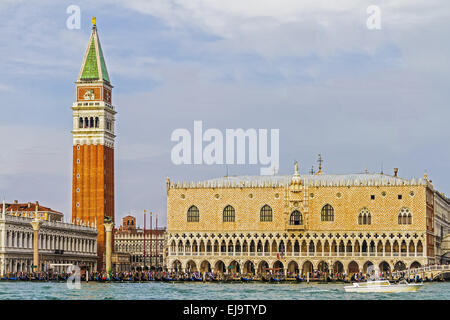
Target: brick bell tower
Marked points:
93	144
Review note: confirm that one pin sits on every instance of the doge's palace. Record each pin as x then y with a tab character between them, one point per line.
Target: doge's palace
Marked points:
300	223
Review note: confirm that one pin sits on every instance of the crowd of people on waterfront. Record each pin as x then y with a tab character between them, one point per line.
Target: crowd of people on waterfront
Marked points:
170	276
144	276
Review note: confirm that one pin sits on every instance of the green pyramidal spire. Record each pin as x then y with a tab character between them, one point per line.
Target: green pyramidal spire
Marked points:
94	66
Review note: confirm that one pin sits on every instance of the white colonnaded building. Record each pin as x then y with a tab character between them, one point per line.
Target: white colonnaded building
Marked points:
59	242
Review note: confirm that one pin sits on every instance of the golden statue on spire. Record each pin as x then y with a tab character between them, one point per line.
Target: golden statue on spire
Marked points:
94	20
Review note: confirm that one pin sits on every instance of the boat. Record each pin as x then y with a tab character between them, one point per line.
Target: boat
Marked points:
383	286
165	279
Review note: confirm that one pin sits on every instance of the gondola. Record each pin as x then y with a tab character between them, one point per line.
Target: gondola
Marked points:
165	279
245	279
273	279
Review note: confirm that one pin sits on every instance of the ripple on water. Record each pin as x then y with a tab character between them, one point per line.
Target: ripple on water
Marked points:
196	291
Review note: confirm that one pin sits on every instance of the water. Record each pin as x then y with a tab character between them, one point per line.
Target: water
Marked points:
207	291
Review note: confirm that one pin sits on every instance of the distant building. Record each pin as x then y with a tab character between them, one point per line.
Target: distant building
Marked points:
59	242
30	209
442	227
130	239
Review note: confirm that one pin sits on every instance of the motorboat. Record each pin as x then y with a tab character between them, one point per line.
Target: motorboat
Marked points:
383	286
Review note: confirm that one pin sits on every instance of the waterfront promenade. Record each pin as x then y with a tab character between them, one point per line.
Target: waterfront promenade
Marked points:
415	275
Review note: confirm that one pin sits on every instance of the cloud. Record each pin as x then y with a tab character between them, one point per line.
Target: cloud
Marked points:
6	88
33	150
311	69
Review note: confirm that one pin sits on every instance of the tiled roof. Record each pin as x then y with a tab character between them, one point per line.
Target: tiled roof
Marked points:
28	207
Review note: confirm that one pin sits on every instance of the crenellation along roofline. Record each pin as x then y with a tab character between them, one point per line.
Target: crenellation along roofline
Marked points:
322	180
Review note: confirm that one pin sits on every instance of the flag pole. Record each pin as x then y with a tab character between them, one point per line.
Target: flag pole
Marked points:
151	244
145	211
156	241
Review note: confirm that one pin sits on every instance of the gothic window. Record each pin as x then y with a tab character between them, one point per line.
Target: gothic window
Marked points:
91	125
364	217
296	218
327	213
405	216
228	214
193	215
86	122
80	123
96	122
266	214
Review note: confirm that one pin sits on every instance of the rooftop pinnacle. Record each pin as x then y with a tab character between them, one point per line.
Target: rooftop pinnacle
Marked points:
94	66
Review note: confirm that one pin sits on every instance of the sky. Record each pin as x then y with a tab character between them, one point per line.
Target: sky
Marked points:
366	99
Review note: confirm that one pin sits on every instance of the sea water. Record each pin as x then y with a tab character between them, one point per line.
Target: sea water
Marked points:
207	291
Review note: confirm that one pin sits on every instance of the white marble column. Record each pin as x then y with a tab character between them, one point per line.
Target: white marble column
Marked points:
36	224
108	228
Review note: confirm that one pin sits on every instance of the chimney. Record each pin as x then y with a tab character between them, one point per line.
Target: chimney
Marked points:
395	172
29	204
16	201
